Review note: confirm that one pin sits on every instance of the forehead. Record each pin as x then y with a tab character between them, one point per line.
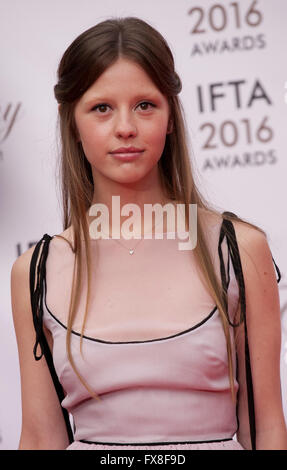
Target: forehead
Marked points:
124	76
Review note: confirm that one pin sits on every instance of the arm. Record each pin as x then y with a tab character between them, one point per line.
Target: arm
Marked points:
43	425
264	337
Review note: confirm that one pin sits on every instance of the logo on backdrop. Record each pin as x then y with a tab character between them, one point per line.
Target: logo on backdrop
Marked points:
245	137
222	18
222	138
8	116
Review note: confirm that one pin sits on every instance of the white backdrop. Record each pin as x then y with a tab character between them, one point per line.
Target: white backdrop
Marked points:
232	61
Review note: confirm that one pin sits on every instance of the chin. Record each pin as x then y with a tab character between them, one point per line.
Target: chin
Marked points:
128	179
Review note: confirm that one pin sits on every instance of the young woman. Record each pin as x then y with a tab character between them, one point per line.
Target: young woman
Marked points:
143	344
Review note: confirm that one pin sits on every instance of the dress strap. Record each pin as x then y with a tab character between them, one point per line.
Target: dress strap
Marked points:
38	273
227	231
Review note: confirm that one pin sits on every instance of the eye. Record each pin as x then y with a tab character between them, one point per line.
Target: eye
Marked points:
100	107
146	105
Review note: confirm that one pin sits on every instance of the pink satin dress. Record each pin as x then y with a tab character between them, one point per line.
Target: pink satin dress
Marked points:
153	350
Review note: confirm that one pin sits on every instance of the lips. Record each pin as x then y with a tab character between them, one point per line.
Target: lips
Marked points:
127	150
127	154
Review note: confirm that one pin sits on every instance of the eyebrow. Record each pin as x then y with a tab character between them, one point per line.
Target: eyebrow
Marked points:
149	95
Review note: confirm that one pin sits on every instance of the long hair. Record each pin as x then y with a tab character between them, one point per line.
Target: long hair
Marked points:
89	55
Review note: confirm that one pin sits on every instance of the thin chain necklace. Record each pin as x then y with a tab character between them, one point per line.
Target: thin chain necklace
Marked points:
131	250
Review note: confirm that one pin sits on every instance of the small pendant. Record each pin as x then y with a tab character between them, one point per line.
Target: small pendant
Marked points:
131	252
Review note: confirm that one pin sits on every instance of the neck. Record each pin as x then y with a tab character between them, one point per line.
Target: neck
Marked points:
116	216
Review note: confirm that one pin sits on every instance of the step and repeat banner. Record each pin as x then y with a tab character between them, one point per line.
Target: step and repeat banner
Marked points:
231	57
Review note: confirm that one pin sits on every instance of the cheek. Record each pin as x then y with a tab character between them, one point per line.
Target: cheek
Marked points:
92	135
156	133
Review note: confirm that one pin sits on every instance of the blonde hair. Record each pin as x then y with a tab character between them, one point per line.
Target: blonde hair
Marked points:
83	62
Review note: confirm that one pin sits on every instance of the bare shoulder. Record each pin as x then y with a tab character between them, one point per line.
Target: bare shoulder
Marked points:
260	277
254	250
43	426
20	289
255	253
247	233
21	265
250	238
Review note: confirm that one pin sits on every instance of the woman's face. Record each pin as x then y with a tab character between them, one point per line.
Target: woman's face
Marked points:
122	109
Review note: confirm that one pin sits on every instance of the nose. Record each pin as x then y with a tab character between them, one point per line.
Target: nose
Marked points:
125	125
